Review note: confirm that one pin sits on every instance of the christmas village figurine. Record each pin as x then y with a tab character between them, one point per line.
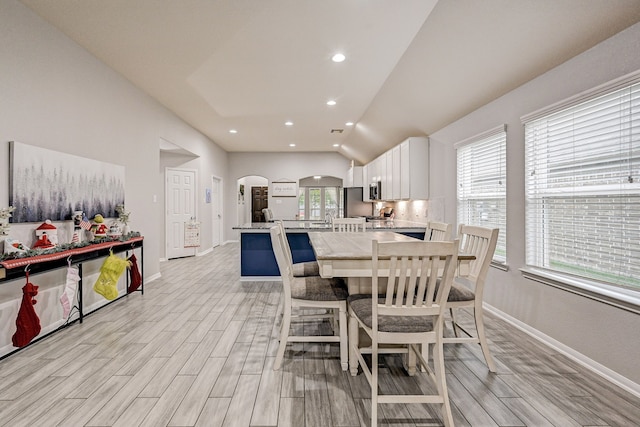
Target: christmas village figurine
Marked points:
14	246
46	236
114	230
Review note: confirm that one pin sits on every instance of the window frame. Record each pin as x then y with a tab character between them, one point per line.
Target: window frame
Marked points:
538	267
305	190
494	139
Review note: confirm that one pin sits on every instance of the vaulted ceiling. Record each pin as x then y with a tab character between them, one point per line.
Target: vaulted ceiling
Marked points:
411	67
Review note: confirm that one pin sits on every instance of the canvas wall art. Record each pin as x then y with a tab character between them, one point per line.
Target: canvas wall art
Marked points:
47	184
284	189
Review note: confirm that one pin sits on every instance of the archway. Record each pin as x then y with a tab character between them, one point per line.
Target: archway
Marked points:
320	197
244	196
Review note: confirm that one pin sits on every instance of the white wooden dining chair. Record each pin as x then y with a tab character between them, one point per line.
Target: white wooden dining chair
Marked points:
348	225
268	215
310	292
468	291
300	269
437	231
411	313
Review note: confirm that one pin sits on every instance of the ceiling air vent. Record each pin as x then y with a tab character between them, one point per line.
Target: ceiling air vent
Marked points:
337	130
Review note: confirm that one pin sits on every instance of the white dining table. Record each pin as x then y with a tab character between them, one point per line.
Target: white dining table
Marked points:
349	255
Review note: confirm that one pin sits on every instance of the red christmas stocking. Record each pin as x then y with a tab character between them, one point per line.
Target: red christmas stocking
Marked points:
135	280
27	322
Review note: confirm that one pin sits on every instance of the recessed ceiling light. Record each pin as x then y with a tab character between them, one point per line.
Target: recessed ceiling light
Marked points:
289	123
338	57
349	124
332	102
336	145
292	145
233	131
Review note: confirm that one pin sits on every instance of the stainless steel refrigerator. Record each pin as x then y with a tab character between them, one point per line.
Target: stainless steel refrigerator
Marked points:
353	204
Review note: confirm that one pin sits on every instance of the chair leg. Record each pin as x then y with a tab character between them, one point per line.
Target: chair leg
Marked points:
374	384
284	335
441	382
411	362
478	314
344	341
278	319
454	321
425	354
354	342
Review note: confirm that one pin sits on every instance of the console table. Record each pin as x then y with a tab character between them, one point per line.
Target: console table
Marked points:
12	269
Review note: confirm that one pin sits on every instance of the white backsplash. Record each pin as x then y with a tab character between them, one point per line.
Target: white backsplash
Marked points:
421	211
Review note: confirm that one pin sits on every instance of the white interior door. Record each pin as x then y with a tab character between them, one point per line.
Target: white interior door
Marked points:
216	212
181	208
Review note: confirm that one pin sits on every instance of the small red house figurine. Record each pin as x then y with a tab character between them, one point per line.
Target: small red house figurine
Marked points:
47	232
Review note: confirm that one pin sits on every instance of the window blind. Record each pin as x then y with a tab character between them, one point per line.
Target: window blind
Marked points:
583	187
481	179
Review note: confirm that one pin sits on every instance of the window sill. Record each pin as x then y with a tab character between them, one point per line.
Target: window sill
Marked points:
500	265
625	299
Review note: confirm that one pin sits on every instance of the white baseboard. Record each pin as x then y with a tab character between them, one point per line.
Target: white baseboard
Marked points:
260	279
204	252
606	373
152	278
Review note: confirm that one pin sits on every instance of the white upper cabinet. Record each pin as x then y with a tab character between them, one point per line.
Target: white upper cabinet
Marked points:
355	176
387	189
395	173
414	168
403	171
382	175
366	180
378	173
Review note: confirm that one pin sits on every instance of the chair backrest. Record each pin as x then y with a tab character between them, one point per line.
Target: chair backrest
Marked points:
268	216
437	231
480	242
348	225
280	247
419	277
286	248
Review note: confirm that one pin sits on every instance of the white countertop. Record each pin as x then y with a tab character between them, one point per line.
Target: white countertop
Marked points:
301	226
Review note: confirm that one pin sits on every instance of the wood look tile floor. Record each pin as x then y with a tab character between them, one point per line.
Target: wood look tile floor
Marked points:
197	349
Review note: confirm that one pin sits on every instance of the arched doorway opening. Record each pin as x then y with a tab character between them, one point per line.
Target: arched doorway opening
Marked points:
252	195
320	198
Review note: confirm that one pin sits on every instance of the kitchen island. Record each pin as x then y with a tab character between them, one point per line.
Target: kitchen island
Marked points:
257	261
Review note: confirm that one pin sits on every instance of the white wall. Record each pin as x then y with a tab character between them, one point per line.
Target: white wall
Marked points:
605	334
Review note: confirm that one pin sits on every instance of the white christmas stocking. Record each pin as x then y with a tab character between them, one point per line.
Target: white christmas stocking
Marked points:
69	293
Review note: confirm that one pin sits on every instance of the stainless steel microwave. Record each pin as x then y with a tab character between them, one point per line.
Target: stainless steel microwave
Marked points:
375	191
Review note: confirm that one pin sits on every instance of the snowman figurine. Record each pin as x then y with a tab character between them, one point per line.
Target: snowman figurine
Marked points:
77	230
